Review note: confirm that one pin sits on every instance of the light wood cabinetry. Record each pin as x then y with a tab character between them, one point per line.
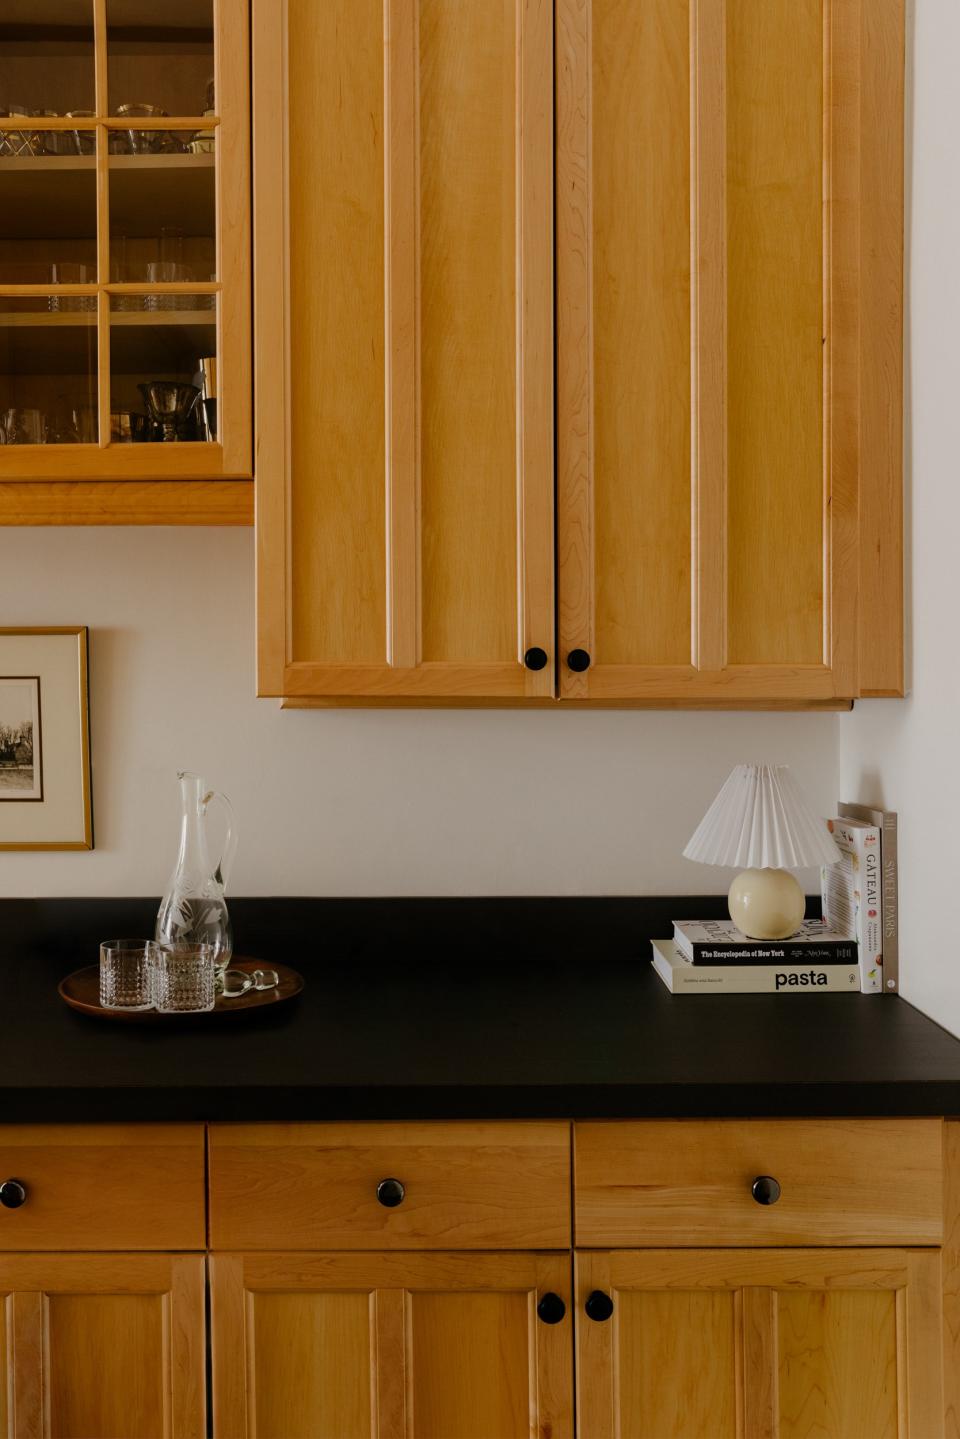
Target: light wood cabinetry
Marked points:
729	213
105	1346
690	1182
455	1303
403	213
778	1344
390	1346
464	1186
729	228
125	262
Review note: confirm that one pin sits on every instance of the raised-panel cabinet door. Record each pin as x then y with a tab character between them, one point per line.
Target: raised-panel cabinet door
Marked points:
729	241
782	1344
391	1346
404	226
103	1346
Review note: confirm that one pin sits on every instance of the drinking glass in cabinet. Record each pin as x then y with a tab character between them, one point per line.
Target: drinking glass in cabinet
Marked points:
160	368
48	373
46	57
49	215
160	54
163	212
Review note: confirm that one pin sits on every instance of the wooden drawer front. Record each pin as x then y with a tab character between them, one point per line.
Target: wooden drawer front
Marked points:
866	1181
314	1186
104	1186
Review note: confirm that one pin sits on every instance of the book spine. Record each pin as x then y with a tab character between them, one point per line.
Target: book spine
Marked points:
852	892
833	951
767	980
890	904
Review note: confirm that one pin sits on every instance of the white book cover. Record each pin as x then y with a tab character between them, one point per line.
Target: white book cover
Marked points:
852	893
683	978
887	823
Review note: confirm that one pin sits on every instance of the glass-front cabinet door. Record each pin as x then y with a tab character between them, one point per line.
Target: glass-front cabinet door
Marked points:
124	240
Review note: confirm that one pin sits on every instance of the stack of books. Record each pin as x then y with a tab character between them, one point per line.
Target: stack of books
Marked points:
711	956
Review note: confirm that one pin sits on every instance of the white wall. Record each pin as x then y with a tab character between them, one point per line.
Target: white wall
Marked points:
905	754
356	802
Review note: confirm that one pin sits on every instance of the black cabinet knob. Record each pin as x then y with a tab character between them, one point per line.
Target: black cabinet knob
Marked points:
390	1193
578	661
13	1193
765	1189
551	1309
599	1306
535	658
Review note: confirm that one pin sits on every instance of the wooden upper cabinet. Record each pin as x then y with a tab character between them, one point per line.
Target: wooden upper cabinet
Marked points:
729	252
125	262
404	290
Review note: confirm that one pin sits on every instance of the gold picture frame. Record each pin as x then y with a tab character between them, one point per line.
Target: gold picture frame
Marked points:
45	791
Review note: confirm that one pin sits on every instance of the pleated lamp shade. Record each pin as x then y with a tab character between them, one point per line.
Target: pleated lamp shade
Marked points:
759	820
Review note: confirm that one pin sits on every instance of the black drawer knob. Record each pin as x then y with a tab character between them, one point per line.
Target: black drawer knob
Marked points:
578	661
599	1306
765	1189
390	1193
551	1308
535	658
13	1193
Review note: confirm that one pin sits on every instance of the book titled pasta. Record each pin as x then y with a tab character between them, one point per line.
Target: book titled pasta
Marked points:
682	977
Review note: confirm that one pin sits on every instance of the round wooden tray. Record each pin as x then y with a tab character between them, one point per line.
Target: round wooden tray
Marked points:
81	990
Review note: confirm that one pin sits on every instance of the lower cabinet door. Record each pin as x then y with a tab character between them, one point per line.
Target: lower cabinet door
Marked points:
103	1346
391	1346
749	1344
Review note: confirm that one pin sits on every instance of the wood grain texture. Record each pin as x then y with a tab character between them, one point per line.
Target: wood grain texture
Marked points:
690	1336
837	1364
688	1182
709	286
951	1277
234	238
574	321
842	299
335	236
640	213
311	1364
468	328
130	502
421	528
94	1187
817	1344
474	1362
107	1346
881	659
775	328
468	1186
6	1342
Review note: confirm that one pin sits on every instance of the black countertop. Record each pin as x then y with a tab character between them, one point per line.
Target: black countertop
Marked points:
446	1009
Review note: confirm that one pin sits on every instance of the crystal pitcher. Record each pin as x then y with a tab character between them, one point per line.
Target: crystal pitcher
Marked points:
193	910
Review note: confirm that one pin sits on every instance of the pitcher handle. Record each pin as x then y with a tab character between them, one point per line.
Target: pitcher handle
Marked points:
223	866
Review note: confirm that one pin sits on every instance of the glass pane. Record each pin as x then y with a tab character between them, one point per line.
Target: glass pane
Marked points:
163	368
162	218
48	370
46	56
48	218
160	55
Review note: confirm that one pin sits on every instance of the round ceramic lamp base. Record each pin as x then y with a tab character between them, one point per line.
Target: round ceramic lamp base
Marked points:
766	903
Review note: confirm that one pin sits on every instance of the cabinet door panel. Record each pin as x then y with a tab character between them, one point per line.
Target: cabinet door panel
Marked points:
389	1346
106	1346
723	328
778	1344
336	398
775	331
405	395
640	157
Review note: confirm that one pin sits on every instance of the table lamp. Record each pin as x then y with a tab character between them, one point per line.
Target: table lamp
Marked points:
759	819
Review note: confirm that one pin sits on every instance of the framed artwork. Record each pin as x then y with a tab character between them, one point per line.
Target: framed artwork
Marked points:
44	739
